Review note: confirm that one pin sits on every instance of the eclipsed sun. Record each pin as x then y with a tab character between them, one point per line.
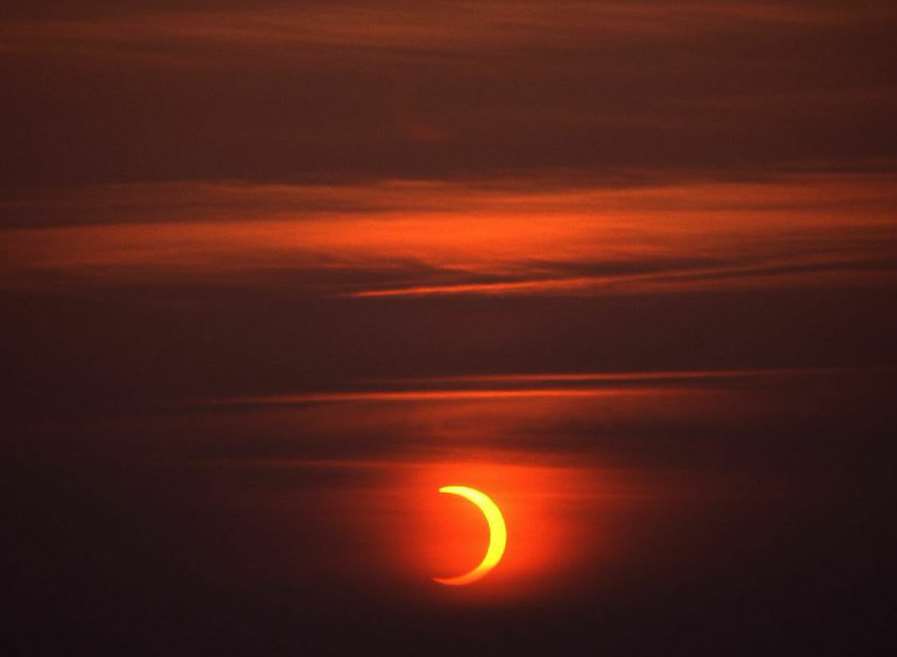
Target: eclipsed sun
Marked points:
498	535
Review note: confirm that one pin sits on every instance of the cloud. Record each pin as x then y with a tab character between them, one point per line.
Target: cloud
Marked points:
434	91
423	26
431	238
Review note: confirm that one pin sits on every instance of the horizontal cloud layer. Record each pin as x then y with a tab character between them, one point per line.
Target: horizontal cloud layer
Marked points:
404	238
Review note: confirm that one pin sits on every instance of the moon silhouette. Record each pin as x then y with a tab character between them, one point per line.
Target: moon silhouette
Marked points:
498	535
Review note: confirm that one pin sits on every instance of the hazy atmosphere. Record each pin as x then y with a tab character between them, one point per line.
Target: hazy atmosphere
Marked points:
276	272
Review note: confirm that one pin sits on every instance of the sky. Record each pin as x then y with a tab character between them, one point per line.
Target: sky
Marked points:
275	272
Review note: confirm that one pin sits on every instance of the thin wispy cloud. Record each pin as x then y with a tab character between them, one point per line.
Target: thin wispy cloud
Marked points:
423	26
522	386
415	239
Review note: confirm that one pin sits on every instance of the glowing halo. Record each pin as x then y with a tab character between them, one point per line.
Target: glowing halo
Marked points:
498	535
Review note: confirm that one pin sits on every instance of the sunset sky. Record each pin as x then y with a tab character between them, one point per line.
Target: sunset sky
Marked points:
274	272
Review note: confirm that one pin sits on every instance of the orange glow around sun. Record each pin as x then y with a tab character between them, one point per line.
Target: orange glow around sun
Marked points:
532	530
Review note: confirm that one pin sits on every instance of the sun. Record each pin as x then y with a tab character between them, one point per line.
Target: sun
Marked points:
498	535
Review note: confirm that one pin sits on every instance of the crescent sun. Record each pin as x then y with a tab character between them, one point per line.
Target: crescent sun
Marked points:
498	535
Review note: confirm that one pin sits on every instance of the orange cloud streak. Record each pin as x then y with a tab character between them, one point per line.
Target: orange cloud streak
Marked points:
437	239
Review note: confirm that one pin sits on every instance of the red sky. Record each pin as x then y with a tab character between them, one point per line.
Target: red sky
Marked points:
273	271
